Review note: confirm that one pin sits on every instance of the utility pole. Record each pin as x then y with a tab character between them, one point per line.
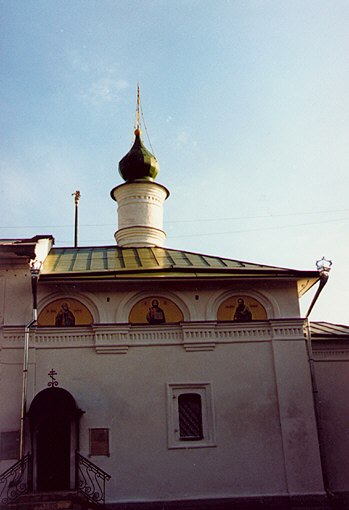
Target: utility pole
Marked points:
76	196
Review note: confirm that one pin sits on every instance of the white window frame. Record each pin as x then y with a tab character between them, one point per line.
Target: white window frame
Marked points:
203	389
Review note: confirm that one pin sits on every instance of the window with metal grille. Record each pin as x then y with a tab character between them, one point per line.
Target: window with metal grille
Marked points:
190	417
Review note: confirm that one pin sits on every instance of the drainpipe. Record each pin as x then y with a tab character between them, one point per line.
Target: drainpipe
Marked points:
35	266
324	267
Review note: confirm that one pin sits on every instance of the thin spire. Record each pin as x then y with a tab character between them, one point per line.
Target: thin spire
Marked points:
138	112
139	163
139	116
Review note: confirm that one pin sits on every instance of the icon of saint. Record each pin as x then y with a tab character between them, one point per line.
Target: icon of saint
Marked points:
65	317
155	314
242	312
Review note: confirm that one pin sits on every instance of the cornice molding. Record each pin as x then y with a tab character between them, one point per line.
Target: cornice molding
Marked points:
330	353
119	338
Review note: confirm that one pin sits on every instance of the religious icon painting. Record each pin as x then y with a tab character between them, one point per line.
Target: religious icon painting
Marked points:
241	309
155	310
65	312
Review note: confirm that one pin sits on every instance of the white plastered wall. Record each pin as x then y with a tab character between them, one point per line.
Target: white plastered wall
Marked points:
264	420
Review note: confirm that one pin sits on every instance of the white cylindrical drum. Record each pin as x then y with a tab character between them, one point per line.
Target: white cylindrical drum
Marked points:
140	213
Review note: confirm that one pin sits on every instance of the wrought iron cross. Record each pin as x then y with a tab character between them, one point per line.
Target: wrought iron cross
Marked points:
53	381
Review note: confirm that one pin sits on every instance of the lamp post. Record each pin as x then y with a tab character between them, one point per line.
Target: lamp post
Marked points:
34	266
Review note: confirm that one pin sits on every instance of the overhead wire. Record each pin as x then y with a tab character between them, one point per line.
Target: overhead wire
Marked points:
198	220
241	231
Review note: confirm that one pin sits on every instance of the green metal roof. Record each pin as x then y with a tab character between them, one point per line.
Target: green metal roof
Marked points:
123	260
115	262
328	330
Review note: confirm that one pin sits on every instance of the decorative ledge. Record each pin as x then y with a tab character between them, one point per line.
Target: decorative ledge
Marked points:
339	354
116	349
119	338
199	336
199	347
287	329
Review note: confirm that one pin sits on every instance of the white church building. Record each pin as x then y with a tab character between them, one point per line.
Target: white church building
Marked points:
142	377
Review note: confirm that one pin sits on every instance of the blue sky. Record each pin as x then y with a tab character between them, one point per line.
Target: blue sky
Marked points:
246	105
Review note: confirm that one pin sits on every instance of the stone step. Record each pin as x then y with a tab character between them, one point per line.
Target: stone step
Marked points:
62	500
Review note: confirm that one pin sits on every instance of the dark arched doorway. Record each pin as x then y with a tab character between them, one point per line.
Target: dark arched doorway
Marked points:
54	423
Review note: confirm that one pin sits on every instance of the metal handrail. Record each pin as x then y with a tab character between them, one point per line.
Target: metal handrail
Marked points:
16	480
90	480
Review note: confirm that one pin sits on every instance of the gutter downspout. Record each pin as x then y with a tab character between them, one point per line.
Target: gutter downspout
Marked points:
324	274
34	271
324	271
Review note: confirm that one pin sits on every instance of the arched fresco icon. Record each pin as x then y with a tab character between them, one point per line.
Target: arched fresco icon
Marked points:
65	312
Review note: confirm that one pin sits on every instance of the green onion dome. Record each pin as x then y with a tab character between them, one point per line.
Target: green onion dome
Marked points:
139	163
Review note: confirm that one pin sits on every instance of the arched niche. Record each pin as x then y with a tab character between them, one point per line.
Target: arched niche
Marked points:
241	308
65	312
155	310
